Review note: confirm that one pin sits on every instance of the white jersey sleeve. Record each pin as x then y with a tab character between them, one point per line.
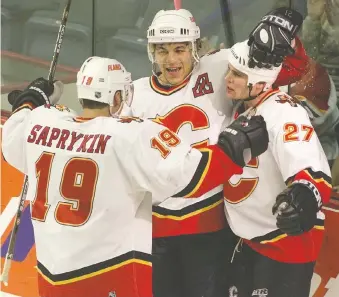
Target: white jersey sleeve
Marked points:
15	133
14	141
159	162
316	92
168	166
295	145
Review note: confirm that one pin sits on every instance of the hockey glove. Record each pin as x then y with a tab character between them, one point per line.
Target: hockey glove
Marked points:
297	208
244	134
37	94
271	40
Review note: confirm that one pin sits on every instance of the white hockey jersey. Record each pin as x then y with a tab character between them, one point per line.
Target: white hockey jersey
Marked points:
294	154
89	186
197	110
317	94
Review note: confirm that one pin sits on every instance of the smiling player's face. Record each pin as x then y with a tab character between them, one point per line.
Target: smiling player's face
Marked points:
175	62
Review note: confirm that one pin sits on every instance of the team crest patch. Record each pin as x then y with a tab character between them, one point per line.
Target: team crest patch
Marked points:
61	107
287	99
127	119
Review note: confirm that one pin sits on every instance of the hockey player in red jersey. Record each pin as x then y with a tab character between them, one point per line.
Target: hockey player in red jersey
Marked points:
274	206
186	93
90	180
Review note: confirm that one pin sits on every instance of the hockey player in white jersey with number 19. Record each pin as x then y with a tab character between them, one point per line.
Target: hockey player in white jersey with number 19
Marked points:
186	93
90	179
275	204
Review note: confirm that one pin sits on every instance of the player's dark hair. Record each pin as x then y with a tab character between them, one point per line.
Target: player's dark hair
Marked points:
90	104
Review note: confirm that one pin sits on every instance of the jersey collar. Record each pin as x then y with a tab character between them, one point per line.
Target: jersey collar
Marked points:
166	90
81	119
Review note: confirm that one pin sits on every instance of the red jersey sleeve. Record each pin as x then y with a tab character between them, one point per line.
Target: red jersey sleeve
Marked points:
294	66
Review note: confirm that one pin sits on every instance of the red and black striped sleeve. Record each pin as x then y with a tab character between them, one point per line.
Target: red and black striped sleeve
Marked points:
214	169
319	179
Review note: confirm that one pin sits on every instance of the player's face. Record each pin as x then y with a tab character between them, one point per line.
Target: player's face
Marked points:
117	106
236	84
174	60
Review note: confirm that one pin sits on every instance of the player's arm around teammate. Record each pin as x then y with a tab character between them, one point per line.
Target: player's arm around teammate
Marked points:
206	168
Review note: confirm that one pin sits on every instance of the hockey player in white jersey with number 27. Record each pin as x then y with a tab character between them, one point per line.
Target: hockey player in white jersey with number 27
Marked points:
90	180
274	206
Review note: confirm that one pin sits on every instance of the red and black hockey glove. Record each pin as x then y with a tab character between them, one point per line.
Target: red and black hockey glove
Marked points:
297	208
244	134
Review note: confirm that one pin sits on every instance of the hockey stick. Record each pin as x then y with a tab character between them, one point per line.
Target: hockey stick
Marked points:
59	41
227	22
11	246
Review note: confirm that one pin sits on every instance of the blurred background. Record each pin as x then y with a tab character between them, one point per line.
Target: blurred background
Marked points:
118	29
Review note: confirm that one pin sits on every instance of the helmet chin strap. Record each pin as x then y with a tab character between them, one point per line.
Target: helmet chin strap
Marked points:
249	98
117	113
